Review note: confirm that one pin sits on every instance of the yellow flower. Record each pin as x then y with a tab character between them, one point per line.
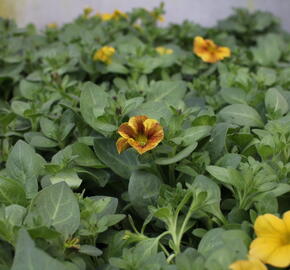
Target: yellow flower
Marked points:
116	15
119	14
141	133
251	264
87	11
104	54
51	25
163	50
272	245
158	17
106	16
208	51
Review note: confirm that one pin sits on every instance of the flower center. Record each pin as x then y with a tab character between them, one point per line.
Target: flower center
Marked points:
141	139
211	47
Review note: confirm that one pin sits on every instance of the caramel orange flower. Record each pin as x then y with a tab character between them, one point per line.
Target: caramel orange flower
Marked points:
272	245
104	54
208	51
252	264
141	133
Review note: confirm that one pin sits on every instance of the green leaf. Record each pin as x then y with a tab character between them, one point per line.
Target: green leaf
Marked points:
24	165
56	206
29	257
217	143
275	102
19	107
179	156
269	49
15	214
37	140
69	176
190	260
93	101
118	68
204	184
85	156
241	114
49	128
90	250
155	110
11	192
266	76
170	92
122	164
223	247
143	190
234	95
29	89
192	134
226	175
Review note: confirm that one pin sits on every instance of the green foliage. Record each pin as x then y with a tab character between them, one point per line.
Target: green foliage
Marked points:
69	200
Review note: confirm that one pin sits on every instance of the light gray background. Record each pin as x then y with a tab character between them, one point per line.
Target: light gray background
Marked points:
205	12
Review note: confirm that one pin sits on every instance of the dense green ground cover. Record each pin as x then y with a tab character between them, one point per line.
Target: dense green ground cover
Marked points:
70	201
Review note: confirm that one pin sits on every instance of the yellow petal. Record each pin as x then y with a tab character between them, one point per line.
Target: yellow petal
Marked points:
209	57
261	248
286	219
160	50
280	257
248	265
136	122
137	146
199	41
106	16
152	128
126	131
223	52
269	226
122	145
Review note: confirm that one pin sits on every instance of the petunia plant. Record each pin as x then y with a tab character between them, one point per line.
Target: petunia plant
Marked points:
129	143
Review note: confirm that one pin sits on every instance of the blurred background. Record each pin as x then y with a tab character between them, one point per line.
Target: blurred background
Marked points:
205	12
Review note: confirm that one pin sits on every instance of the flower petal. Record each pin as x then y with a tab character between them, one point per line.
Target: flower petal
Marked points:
199	42
261	248
248	265
223	52
286	219
122	145
269	225
136	123
209	57
152	143
137	146
126	131
280	257
152	128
